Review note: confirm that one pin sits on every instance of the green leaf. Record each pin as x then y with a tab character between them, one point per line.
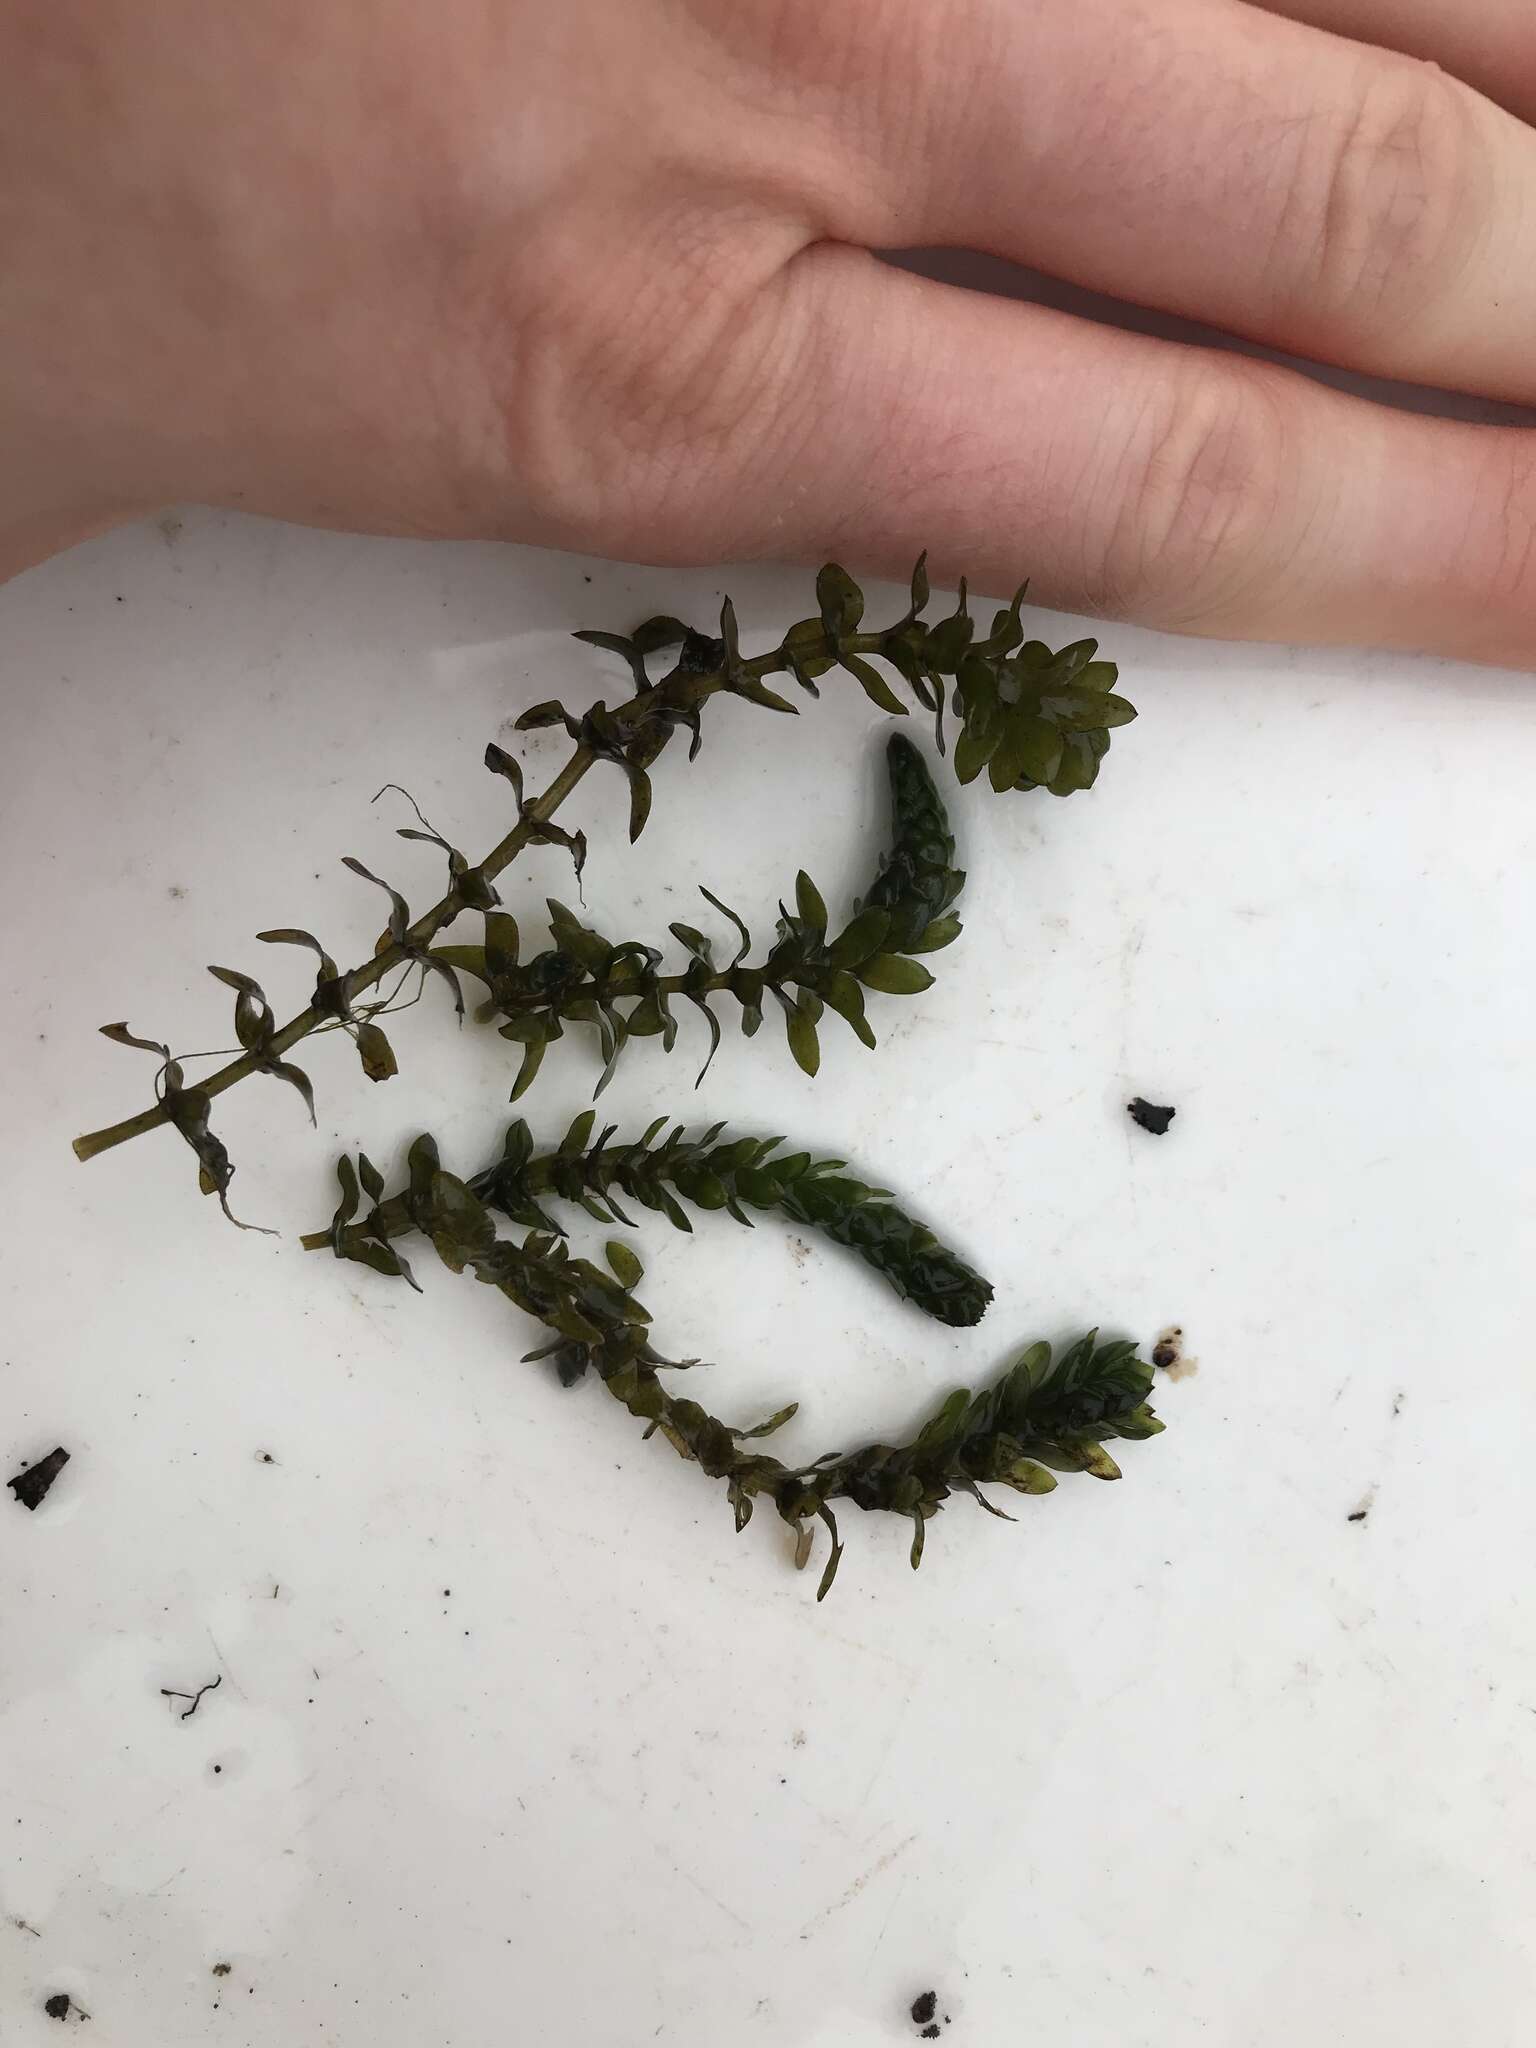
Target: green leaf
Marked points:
874	685
759	693
501	942
1079	765
920	584
894	975
500	762
285	1070
726	911
800	1029
948	1421
972	753
860	939
839	599
809	903
806	643
1080	710
943	931
288	935
836	1557
626	1266
376	1053
1026	1477
1031	746
533	1059
841	992
550	712
639	802
574	1143
774	1422
466	959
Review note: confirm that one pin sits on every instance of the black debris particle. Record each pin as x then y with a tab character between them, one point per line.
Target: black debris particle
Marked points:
1150	1116
167	1693
1368	1501
58	2007
31	1484
265	1458
1360	1514
1169	1348
924	2006
222	1969
930	2033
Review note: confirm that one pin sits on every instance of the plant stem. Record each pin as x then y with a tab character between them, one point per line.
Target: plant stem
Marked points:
427	927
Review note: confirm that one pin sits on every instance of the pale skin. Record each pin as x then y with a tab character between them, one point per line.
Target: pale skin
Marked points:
599	275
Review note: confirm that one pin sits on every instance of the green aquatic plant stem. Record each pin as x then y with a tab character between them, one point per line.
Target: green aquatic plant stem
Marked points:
732	1174
1049	1412
361	979
1029	718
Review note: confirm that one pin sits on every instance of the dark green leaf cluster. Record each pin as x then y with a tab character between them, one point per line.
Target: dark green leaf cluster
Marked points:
1046	1414
1033	718
619	988
734	1175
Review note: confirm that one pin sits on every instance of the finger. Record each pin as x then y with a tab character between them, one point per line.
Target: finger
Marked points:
1224	164
1186	488
1489	43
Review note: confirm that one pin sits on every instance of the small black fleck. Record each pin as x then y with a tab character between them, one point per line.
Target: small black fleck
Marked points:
31	1486
217	1769
57	2007
1359	1515
222	1969
1150	1116
930	2033
924	2006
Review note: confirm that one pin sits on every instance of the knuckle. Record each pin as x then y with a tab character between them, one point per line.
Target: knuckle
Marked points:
638	393
1495	567
1386	208
1195	500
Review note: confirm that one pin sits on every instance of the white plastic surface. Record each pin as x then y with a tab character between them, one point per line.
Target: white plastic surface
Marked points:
515	1740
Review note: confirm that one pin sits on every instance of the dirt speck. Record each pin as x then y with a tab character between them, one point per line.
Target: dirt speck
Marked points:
1169	1356
799	1250
171	528
59	2006
1360	1513
924	2006
1150	1116
31	1484
176	891
222	1969
798	1739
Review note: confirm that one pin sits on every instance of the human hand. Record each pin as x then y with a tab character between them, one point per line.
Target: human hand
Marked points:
599	276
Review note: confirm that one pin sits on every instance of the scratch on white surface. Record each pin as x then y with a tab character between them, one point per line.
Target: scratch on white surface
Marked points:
885	1751
860	1883
885	1925
705	1893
